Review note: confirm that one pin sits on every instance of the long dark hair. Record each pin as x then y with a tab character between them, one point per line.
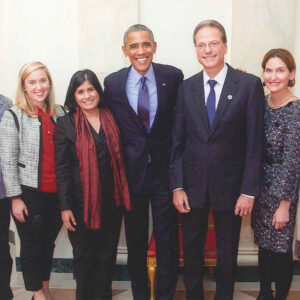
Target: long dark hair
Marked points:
77	79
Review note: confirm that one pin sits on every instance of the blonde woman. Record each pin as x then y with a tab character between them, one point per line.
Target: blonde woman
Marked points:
28	168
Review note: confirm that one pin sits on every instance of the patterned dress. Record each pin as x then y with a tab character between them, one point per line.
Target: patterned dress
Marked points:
280	180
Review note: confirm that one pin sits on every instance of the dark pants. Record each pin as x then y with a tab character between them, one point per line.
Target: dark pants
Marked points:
194	227
95	253
5	259
37	236
166	238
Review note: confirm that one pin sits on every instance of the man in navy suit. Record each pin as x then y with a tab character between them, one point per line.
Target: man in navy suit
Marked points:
216	158
142	100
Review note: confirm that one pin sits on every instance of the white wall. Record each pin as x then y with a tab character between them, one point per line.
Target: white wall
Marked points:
173	25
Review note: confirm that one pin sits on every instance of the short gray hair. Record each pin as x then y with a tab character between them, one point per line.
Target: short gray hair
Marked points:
210	23
137	27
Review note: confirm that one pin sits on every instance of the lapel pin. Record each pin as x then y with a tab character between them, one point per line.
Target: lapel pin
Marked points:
229	97
164	84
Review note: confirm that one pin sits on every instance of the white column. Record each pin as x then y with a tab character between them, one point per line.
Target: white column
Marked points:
296	51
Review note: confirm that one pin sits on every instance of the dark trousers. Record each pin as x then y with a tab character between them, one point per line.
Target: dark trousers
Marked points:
5	259
194	227
166	238
95	253
37	236
276	267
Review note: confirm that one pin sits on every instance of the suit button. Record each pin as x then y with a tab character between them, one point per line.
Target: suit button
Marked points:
276	124
267	185
269	145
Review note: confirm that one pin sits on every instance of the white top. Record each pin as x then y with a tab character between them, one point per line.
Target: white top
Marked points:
220	79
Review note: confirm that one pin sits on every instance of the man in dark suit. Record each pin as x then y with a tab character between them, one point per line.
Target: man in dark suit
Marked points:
142	100
216	157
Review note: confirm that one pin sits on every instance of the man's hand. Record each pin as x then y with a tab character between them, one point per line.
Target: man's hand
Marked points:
68	219
180	201
282	214
244	206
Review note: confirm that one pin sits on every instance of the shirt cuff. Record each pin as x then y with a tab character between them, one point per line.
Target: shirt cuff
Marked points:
178	189
252	197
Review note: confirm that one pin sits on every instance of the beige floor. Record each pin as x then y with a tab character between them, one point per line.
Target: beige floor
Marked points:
63	288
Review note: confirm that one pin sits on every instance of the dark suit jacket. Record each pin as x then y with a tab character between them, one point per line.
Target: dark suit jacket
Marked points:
225	161
136	142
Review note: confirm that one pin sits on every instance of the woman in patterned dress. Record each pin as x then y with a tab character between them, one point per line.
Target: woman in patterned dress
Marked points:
275	210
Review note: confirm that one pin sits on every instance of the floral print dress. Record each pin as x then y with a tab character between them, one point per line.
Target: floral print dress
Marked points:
280	180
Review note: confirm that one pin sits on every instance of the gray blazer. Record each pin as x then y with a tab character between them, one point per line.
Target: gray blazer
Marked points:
20	150
5	103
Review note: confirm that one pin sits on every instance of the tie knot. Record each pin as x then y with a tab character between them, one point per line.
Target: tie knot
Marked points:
143	80
212	83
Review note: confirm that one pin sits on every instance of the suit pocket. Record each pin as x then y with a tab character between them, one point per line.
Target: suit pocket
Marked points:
21	165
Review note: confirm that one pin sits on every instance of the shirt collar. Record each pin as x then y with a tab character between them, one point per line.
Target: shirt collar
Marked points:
219	78
135	76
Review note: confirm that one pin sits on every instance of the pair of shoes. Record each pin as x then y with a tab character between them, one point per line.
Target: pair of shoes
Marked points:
265	297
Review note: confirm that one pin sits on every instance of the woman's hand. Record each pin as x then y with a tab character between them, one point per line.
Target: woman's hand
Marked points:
68	219
19	208
282	214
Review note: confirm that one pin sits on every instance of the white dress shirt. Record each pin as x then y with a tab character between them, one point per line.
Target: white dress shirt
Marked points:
220	79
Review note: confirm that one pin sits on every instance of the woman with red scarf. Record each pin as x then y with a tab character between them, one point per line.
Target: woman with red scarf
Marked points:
92	185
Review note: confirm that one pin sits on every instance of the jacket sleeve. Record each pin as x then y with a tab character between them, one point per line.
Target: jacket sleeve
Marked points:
107	91
63	165
178	145
254	145
9	151
285	186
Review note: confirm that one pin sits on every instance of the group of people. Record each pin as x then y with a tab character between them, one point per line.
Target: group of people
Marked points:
212	140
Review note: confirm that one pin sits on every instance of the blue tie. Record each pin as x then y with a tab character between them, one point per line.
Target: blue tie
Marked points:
143	103
211	102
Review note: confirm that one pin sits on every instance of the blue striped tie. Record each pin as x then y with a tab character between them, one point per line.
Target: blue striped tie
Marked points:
211	102
143	103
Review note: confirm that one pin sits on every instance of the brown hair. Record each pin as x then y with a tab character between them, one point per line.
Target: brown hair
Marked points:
210	23
22	99
285	56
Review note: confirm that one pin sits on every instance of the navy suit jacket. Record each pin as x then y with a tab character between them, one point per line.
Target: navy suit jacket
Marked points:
137	143
223	162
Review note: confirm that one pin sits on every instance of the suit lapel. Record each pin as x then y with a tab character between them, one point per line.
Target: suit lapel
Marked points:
199	101
227	95
161	86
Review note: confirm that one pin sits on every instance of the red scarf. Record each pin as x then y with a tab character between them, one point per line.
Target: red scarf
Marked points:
88	165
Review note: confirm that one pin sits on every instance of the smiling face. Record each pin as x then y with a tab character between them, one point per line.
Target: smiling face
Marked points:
87	97
276	75
37	86
210	49
139	48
